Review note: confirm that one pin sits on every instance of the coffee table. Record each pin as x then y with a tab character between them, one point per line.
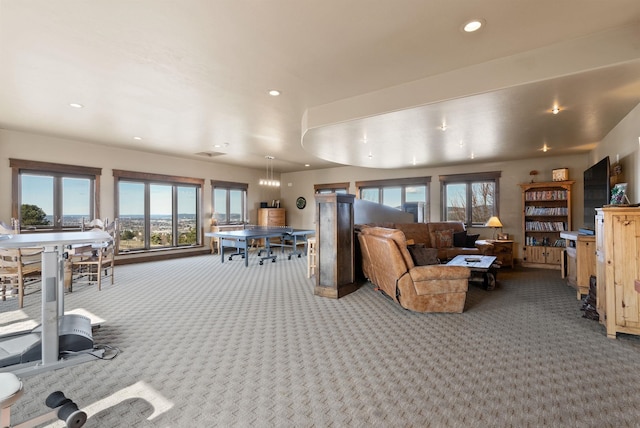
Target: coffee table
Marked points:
481	266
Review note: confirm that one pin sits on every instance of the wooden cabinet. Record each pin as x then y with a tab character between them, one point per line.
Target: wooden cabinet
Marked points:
335	245
621	237
581	260
271	217
600	266
546	212
503	250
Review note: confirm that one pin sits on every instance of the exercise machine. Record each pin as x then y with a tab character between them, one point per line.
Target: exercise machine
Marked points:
11	389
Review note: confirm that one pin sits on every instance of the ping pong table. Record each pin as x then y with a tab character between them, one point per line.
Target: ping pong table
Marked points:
241	240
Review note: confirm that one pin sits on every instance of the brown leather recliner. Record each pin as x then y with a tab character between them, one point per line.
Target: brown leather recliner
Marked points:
386	263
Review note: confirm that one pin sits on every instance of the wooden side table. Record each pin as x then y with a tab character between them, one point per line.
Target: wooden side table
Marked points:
503	250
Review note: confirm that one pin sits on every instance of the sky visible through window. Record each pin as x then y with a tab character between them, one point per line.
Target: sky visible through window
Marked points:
38	190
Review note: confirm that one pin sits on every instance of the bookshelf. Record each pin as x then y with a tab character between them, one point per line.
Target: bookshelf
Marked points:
546	212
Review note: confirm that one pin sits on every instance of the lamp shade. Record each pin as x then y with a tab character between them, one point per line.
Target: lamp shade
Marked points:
493	222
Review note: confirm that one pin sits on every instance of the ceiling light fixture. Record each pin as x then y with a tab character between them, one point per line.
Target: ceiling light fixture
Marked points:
307	165
545	148
75	105
555	110
443	127
473	25
269	181
137	138
274	92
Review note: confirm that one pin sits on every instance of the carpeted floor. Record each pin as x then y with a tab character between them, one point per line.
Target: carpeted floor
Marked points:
207	344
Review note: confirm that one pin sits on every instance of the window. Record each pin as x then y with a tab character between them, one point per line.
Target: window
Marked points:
470	198
49	196
157	211
331	188
229	202
405	194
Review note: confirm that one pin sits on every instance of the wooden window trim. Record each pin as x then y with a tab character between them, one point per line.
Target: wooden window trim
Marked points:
219	184
319	187
473	176
161	178
393	182
22	165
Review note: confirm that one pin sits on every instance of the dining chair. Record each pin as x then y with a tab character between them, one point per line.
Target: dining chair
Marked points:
89	262
18	266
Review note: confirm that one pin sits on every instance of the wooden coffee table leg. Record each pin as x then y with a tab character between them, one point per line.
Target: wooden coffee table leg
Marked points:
489	280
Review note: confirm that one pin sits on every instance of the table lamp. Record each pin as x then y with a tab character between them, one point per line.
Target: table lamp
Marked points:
495	223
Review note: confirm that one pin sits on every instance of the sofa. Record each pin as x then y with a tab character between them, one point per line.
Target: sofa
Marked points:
450	238
387	263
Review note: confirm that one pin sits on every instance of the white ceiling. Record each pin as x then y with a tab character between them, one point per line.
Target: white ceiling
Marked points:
363	82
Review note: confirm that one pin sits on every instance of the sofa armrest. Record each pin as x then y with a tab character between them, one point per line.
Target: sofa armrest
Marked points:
436	272
485	247
439	280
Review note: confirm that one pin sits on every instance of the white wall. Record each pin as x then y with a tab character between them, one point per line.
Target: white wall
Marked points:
622	143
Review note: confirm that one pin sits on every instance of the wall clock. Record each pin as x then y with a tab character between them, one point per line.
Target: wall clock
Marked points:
301	203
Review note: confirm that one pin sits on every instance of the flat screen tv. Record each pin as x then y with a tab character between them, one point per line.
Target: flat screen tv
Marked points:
597	191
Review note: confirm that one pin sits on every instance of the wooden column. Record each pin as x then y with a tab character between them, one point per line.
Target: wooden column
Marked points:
335	274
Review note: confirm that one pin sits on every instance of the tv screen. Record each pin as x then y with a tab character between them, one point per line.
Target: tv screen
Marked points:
597	191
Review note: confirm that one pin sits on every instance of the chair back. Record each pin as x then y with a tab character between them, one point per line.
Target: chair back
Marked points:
96	223
113	229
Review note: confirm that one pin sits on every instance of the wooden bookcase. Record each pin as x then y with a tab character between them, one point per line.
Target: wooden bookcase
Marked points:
546	212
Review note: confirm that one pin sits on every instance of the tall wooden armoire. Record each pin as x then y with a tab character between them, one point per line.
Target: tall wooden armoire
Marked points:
335	245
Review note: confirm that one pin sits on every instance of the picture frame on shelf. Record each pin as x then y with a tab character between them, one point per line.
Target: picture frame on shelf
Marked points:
560	174
503	236
619	194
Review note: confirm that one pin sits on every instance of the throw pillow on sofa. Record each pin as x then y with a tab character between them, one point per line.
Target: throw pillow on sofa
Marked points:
471	241
423	256
444	238
460	239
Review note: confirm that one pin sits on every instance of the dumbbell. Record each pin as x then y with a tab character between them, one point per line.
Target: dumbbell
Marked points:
67	410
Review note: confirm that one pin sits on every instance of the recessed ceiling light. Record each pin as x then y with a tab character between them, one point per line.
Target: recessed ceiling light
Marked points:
307	165
473	25
76	105
555	110
137	138
274	92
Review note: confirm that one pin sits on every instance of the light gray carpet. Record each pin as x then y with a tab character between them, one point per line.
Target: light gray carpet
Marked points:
211	344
